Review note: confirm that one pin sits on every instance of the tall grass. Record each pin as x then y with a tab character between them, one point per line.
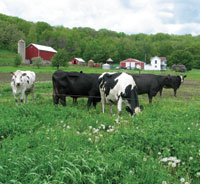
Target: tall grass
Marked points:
43	143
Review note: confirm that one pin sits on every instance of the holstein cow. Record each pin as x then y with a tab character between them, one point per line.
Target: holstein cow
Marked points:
150	84
76	85
23	83
119	88
175	82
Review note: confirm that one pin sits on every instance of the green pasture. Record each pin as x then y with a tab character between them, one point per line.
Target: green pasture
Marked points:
43	143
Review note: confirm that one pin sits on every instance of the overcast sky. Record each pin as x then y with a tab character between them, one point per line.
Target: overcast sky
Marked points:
129	16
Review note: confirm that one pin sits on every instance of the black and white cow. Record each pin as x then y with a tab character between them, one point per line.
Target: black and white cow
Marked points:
174	83
23	83
150	84
76	85
119	88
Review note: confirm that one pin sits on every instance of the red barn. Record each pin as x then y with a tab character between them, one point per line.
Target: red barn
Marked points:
132	63
35	50
76	61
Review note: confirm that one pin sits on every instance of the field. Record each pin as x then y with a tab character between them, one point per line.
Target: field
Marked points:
43	143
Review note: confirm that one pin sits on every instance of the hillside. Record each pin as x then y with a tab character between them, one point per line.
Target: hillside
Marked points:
6	57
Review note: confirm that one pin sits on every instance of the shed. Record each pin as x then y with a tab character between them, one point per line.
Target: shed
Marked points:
35	50
132	63
76	61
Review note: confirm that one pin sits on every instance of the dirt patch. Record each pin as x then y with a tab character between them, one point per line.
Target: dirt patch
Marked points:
5	78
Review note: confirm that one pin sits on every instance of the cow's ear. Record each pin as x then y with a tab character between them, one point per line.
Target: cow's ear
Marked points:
24	74
12	73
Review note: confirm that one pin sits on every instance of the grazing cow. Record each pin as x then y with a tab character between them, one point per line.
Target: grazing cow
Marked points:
23	83
150	84
175	82
119	88
76	85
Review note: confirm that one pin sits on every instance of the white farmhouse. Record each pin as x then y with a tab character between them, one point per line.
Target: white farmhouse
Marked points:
157	63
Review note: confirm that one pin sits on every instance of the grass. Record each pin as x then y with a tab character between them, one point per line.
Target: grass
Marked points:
43	143
6	57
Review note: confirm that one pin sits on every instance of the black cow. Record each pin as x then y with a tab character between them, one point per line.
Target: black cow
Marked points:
175	82
150	84
119	88
76	85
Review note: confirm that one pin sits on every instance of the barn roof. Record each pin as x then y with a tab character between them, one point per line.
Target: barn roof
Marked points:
44	48
80	59
132	60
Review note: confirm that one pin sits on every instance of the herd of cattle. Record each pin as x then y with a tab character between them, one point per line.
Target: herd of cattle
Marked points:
112	88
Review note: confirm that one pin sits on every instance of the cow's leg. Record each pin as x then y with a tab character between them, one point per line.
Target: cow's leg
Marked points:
161	91
150	97
63	100
89	102
22	99
74	100
55	99
119	106
16	98
175	92
102	103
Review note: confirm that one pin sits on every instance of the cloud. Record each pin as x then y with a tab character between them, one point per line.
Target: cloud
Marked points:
129	16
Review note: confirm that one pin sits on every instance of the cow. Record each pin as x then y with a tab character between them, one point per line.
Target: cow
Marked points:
23	82
119	88
75	84
175	82
150	84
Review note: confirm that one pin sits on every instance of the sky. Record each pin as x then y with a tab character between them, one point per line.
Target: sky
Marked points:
177	17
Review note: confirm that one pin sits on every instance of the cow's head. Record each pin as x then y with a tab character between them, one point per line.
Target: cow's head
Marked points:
17	78
182	77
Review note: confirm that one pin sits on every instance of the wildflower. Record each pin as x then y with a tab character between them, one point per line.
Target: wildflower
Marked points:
95	130
198	174
61	121
173	164
191	158
97	121
164	159
90	127
144	159
186	182
164	182
89	139
131	172
159	153
78	132
188	128
182	180
103	126
68	127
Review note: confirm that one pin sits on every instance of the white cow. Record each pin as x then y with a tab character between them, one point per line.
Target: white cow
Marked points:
23	83
119	88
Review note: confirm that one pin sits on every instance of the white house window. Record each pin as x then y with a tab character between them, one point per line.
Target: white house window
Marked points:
155	66
155	61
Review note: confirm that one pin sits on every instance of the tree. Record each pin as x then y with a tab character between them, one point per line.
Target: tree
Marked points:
181	57
61	58
37	61
17	60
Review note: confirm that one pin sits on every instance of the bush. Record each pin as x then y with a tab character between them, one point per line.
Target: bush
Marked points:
18	60
37	62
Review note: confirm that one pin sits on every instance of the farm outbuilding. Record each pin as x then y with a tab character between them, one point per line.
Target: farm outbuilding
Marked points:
132	63
76	61
35	50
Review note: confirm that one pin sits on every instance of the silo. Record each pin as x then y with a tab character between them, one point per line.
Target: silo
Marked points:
21	49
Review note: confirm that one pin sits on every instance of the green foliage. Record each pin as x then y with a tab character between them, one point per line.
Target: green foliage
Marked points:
61	58
37	62
18	60
99	45
182	57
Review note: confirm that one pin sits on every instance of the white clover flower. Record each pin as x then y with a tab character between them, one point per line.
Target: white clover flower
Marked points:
144	159
95	130
173	164
159	153
131	172
170	163
188	128
177	161
103	126
191	158
164	182
89	139
90	127
68	127
182	180
78	132
186	182
61	121
198	174
97	121
164	159
101	135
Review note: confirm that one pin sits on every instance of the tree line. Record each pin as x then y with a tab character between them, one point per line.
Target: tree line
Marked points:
87	43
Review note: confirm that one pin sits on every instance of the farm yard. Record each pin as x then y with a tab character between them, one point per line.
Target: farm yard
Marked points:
43	143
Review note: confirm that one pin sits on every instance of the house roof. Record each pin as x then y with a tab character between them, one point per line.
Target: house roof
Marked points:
80	59
162	58
44	48
132	60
